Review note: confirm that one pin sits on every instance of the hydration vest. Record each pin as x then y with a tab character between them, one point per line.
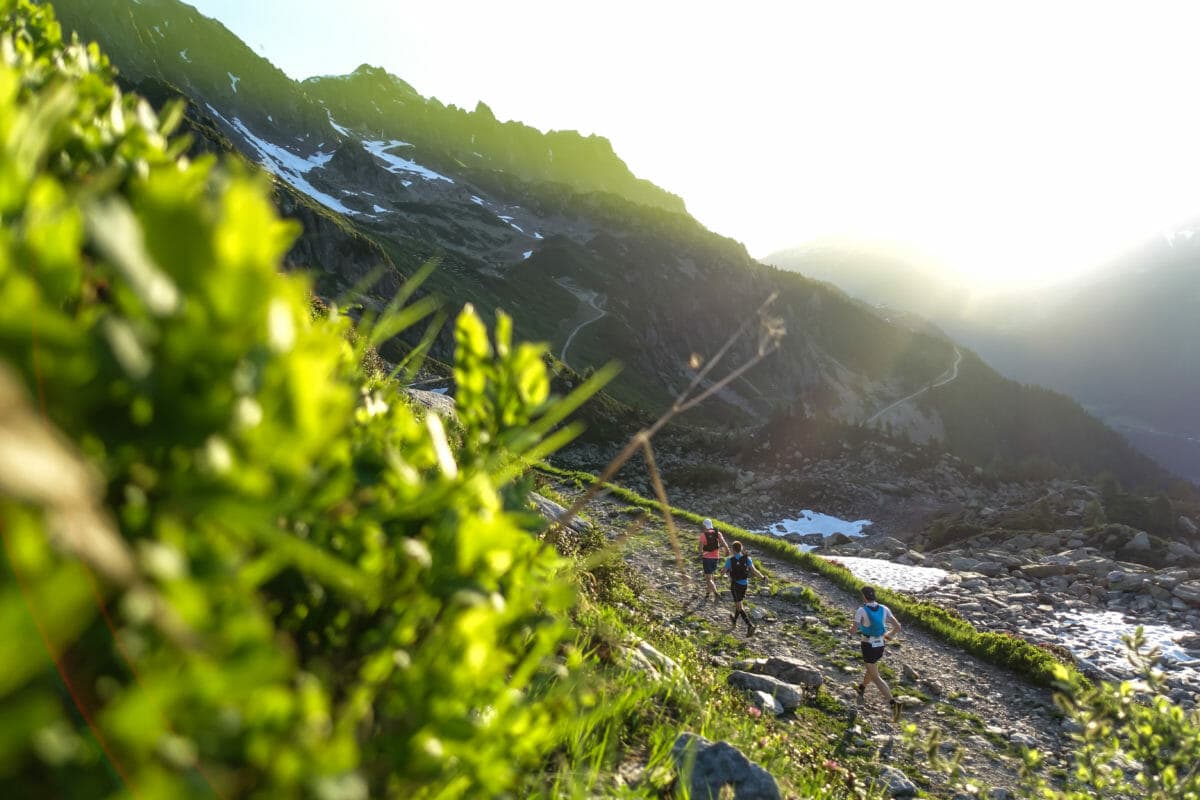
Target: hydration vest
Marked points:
875	617
739	568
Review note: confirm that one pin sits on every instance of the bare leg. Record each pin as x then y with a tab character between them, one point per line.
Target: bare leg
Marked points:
872	676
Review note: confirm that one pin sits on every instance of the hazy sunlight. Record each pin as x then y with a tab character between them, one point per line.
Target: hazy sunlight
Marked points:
1013	143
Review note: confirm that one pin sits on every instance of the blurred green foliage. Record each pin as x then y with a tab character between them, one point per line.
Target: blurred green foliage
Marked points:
314	588
237	563
1130	739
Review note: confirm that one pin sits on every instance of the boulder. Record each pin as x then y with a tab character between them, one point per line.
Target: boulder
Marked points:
1140	542
1121	581
1095	566
788	695
767	703
552	511
1170	578
1181	551
991	569
897	783
711	767
643	657
1188	592
792	671
1039	571
440	404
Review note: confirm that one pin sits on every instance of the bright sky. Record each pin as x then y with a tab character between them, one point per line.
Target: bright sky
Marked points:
1011	141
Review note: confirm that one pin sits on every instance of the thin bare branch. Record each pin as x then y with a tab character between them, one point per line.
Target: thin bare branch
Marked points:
721	384
716	358
768	343
661	493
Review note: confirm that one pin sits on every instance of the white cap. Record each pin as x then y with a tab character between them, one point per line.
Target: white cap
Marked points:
708	524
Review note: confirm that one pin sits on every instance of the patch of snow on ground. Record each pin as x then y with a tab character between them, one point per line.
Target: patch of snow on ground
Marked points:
1095	637
516	227
892	576
537	235
527	254
183	54
477	200
406	183
379	209
397	164
233	81
286	164
814	522
505	217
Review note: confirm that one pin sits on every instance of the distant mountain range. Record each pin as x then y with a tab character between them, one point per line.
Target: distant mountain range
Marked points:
1121	339
554	228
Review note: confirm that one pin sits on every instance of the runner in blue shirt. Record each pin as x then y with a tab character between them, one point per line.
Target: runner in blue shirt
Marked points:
739	567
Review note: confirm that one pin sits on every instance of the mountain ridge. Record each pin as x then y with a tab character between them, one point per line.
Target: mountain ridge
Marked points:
505	237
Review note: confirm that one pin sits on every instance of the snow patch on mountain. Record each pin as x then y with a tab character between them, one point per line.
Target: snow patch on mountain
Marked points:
397	164
336	127
285	164
233	81
183	54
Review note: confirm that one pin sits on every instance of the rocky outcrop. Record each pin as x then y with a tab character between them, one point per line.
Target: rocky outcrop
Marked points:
1188	592
553	512
789	696
643	656
709	768
440	404
897	783
788	670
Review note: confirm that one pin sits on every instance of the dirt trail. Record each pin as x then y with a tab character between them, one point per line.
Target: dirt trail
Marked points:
982	709
946	377
584	296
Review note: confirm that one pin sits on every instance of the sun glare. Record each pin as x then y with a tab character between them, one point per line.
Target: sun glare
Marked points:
1016	143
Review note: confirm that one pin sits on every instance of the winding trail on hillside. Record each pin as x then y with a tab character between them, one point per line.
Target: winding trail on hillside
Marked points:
947	376
985	710
584	296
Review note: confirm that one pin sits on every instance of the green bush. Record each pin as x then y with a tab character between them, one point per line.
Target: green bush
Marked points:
253	563
1130	739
